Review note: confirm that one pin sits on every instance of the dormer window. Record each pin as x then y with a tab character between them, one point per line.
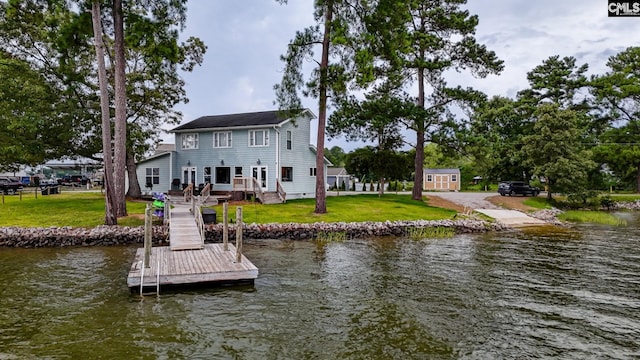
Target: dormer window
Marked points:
258	138
189	141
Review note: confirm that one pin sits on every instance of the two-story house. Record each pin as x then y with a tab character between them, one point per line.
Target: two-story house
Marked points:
238	152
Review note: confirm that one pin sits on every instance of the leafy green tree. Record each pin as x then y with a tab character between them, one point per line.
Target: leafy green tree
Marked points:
336	155
495	139
618	92
335	20
55	39
555	150
416	41
34	128
374	163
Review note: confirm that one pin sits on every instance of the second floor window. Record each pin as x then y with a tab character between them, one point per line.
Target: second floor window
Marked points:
189	141
258	137
289	140
222	139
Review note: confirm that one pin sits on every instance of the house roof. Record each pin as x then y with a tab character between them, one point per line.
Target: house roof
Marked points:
164	147
337	171
254	119
442	171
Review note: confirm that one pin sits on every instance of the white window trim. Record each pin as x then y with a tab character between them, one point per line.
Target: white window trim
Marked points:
216	139
195	142
265	138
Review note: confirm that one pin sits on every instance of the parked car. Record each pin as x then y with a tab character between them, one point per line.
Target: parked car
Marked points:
513	188
74	180
9	186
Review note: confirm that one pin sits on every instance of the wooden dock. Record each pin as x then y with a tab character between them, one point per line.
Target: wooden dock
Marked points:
189	267
188	261
183	229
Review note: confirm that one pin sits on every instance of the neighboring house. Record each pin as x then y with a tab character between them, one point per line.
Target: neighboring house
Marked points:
336	176
259	152
441	179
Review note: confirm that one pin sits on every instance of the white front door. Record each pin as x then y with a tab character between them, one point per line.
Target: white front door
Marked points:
260	174
441	182
189	175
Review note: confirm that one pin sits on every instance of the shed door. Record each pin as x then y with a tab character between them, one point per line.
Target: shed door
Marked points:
441	182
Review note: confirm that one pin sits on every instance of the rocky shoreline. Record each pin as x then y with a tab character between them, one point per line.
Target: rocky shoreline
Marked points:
123	235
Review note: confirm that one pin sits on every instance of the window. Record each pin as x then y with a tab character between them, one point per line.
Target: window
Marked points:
312	171
153	177
429	178
238	171
289	142
207	174
287	173
222	139
223	175
258	137
454	178
189	141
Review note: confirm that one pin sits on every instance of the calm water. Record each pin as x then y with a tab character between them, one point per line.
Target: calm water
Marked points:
562	294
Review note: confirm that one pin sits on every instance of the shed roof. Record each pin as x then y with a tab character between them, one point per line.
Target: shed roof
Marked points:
442	171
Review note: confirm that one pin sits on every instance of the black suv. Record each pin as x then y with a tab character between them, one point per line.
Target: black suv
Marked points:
513	188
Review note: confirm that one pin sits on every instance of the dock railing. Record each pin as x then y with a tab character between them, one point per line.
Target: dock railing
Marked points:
196	210
148	235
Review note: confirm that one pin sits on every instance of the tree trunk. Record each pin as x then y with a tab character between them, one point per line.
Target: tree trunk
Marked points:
120	137
109	214
416	193
321	204
638	179
134	186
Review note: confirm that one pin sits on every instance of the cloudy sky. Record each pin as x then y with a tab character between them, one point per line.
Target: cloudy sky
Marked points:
245	39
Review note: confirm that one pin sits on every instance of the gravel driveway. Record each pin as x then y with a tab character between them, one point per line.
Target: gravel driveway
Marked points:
473	200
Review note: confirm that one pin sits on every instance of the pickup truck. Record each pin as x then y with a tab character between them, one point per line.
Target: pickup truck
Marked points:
9	186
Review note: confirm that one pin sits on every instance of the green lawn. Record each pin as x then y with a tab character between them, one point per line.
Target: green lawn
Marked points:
76	209
352	208
86	209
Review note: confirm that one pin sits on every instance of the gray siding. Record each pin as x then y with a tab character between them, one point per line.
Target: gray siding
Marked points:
299	157
240	154
162	163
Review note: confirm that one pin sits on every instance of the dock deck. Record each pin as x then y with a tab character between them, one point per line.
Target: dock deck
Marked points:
187	260
188	267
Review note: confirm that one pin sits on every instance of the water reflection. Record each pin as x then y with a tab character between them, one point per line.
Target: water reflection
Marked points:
568	293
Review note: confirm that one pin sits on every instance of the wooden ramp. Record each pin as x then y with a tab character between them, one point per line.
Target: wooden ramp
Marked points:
188	267
183	230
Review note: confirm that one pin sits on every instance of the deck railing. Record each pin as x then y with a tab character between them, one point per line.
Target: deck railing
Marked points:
280	190
188	193
205	193
248	184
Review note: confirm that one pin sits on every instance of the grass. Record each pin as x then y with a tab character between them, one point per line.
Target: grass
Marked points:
86	209
416	233
537	202
623	197
75	209
353	208
598	217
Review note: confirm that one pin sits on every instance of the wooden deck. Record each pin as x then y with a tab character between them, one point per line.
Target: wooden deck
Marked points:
187	260
210	264
183	231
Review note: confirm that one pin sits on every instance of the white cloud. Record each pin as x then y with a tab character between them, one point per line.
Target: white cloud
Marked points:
246	38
